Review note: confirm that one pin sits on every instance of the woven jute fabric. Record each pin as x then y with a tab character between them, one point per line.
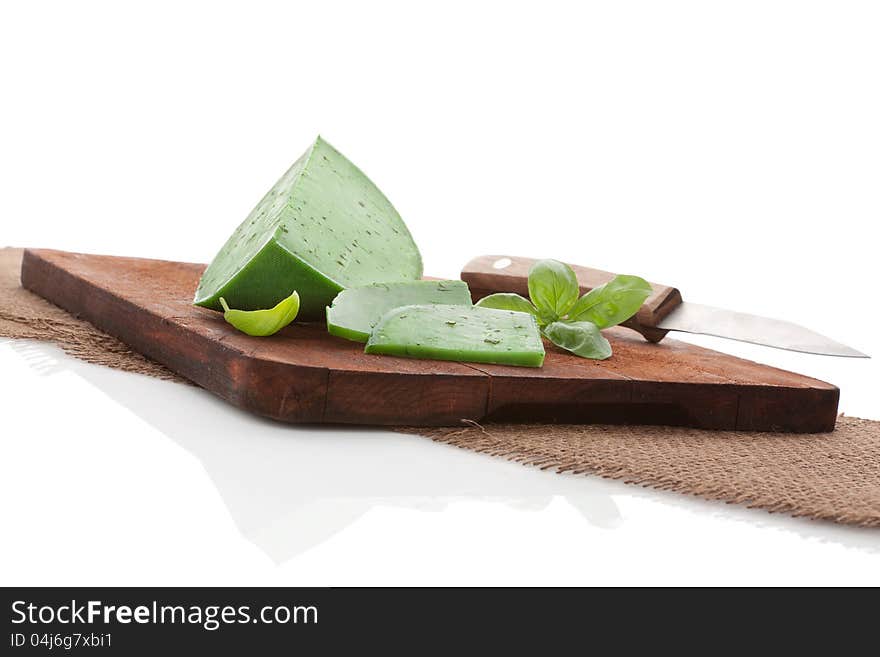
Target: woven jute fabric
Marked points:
833	476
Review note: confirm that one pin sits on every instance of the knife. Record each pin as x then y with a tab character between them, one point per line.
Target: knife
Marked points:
662	312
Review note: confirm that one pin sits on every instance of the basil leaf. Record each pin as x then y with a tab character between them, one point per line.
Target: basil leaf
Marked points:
508	301
553	288
580	338
612	303
261	323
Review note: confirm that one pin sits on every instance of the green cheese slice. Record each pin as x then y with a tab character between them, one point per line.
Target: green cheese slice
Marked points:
460	333
357	310
323	227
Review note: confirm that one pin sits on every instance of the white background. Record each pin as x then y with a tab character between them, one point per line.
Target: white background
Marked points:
730	148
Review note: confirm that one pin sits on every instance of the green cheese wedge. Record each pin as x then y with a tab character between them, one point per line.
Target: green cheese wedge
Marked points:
323	227
357	310
461	333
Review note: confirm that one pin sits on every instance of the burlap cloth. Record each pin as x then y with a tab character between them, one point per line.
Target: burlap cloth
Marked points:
834	476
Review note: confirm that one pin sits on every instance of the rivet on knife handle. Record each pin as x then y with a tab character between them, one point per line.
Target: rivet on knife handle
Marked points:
497	273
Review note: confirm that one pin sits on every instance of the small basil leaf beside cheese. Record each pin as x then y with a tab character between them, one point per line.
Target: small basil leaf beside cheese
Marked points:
261	323
580	338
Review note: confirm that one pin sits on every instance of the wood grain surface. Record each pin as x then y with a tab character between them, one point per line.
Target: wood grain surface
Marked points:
305	375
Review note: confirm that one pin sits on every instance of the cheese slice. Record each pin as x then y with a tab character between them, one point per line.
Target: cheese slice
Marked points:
462	333
323	227
356	311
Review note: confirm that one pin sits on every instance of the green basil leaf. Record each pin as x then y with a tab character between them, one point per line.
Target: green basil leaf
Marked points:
508	301
612	303
553	288
580	338
261	323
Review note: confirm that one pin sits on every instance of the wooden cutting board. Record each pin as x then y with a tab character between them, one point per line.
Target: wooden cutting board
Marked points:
303	374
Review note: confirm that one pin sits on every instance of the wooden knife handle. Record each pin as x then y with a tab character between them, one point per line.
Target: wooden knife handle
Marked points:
494	273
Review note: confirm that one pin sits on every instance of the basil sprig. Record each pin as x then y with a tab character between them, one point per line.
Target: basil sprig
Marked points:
568	321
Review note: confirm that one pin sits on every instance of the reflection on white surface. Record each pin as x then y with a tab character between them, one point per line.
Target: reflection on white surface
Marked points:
288	488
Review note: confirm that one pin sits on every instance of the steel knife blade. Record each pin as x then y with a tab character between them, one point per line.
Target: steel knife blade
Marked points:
663	311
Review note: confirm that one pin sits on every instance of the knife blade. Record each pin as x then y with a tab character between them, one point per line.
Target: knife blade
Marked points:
663	311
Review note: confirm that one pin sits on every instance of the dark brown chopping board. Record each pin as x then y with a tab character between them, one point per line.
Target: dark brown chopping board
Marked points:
303	374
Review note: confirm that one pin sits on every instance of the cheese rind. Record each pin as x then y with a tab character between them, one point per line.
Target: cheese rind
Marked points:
324	226
459	333
357	310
